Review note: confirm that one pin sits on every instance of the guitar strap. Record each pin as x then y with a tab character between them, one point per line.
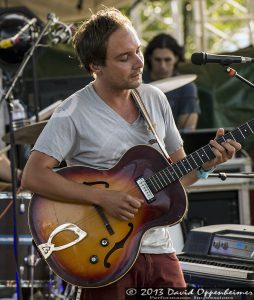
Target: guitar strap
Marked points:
141	106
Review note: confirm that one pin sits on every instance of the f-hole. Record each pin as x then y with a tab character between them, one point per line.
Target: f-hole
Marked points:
99	210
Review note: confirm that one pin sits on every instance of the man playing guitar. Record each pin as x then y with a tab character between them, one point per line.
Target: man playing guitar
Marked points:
94	127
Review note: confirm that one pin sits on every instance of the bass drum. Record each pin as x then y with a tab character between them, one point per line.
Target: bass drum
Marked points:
33	270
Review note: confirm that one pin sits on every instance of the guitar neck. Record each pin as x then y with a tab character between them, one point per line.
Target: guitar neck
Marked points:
175	171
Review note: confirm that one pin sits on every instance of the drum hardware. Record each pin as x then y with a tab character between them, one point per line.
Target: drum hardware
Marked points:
31	260
27	134
72	292
35	275
22	207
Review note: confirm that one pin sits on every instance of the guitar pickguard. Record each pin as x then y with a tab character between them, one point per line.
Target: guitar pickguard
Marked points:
48	248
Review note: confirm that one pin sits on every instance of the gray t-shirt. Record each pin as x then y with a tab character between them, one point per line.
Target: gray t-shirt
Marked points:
84	130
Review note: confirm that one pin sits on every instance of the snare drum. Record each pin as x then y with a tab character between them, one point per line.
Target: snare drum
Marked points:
31	273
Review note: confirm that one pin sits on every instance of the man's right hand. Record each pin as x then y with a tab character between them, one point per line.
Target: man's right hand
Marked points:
120	204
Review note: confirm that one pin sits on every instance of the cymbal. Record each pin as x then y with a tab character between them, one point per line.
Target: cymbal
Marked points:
172	83
27	134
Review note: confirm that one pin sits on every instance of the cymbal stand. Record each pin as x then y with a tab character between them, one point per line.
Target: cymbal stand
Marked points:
72	292
31	261
7	97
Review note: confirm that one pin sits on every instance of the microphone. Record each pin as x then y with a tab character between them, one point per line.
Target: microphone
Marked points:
62	34
202	58
17	38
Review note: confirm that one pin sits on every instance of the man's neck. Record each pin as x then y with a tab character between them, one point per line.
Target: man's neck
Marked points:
111	96
120	101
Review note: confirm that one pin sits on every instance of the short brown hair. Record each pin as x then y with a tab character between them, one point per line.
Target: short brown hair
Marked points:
90	40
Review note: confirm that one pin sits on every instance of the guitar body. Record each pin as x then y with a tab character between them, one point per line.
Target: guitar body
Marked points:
105	254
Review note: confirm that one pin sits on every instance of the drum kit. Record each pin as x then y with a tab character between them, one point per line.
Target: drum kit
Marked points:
36	279
34	272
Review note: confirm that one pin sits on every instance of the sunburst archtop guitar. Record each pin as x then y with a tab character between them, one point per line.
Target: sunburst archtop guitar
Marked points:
88	248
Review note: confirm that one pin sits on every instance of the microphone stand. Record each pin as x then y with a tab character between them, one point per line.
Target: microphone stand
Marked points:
7	97
232	73
25	61
223	176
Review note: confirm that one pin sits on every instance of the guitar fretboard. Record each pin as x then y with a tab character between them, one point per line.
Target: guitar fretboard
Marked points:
175	171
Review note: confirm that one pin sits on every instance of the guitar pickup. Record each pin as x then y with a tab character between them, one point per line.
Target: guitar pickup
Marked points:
145	189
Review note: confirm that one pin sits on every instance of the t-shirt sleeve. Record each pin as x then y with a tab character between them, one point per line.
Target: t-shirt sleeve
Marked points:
57	137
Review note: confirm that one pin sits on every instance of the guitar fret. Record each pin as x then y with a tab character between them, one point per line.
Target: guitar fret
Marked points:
203	156
171	174
157	175
153	187
209	151
196	165
241	133
179	174
232	136
237	134
247	131
250	128
221	139
162	177
188	167
181	162
197	158
165	173
200	157
156	182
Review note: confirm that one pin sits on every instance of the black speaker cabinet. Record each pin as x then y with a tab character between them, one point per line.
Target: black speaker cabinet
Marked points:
213	201
214	207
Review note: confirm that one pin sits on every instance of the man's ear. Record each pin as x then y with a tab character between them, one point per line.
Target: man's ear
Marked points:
95	68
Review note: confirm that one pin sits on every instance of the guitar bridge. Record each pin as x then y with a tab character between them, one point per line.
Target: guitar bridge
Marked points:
144	188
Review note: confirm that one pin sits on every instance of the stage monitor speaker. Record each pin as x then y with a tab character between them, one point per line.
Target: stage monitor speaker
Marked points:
210	208
214	201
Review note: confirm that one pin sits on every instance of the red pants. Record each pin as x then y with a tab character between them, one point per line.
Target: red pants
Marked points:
149	270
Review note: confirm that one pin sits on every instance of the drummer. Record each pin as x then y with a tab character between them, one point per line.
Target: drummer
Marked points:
162	56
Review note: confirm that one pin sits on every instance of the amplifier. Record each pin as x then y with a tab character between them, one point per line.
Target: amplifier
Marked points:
219	256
